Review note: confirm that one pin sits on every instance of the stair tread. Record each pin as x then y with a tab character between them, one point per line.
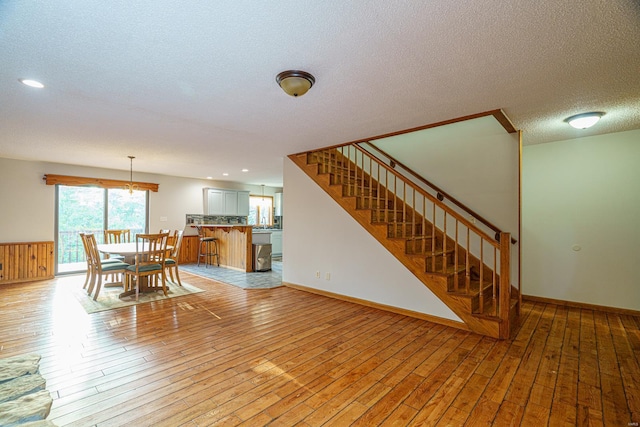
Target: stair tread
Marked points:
381	222
425	236
437	253
474	286
451	270
407	238
404	222
512	304
368	196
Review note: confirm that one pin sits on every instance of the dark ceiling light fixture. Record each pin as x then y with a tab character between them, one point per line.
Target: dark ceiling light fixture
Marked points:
295	82
131	186
584	120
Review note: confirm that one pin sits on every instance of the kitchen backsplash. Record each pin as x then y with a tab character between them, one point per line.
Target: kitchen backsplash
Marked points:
215	219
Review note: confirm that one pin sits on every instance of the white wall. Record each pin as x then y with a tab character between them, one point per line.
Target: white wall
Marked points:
475	161
27	204
320	236
583	192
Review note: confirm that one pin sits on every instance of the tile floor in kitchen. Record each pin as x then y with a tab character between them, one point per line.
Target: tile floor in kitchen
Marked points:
254	280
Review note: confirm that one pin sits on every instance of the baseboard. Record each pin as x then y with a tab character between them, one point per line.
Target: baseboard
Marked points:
409	313
582	305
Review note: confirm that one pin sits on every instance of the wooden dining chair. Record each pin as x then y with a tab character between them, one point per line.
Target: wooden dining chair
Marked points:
101	268
172	237
88	256
171	262
117	236
149	267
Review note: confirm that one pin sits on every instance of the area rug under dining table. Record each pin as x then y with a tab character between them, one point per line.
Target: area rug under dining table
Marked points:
109	297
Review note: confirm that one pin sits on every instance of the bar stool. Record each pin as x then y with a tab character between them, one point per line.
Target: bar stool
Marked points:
207	248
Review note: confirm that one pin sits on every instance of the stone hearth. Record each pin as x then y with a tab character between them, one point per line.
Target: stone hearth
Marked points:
24	400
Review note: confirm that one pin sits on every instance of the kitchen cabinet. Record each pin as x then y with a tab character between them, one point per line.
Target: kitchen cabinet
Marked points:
278	204
230	202
214	203
276	242
243	203
225	202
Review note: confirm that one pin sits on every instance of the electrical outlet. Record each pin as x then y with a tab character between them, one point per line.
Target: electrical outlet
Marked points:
163	218
327	276
317	274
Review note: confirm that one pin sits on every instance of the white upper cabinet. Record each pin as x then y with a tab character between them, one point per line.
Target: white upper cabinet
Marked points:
213	201
230	202
243	203
225	202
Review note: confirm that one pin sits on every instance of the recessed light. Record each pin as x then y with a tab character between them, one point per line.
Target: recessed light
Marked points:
225	174
245	170
585	120
31	83
209	177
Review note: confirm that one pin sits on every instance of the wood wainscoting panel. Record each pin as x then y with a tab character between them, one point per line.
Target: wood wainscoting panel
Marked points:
234	245
26	261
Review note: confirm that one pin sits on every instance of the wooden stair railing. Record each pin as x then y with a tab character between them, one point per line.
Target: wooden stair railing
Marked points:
459	262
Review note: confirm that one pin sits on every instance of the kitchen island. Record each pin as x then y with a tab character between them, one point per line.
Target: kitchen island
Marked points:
234	244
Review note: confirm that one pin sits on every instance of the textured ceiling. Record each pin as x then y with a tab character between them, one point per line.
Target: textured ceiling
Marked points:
189	87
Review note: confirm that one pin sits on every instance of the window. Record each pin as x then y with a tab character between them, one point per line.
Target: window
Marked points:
92	210
261	210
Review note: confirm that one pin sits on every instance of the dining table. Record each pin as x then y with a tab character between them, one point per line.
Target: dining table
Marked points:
128	250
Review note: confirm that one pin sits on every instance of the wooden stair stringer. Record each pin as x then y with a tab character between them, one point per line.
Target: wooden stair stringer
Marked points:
436	282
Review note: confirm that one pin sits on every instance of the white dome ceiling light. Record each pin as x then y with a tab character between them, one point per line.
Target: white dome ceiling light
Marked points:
585	120
31	83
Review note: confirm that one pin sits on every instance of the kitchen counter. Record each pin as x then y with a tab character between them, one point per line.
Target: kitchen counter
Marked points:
234	244
221	225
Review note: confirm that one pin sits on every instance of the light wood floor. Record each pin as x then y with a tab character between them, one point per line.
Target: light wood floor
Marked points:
284	357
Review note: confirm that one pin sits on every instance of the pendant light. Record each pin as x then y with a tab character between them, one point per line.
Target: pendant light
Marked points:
131	186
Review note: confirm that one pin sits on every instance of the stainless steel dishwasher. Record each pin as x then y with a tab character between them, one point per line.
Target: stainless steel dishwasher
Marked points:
261	256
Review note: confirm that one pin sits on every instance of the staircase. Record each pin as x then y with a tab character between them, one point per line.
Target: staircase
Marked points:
455	259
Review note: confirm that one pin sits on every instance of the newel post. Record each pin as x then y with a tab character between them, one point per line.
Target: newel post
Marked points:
505	285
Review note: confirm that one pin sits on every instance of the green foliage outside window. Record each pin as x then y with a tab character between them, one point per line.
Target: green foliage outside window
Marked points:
91	210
